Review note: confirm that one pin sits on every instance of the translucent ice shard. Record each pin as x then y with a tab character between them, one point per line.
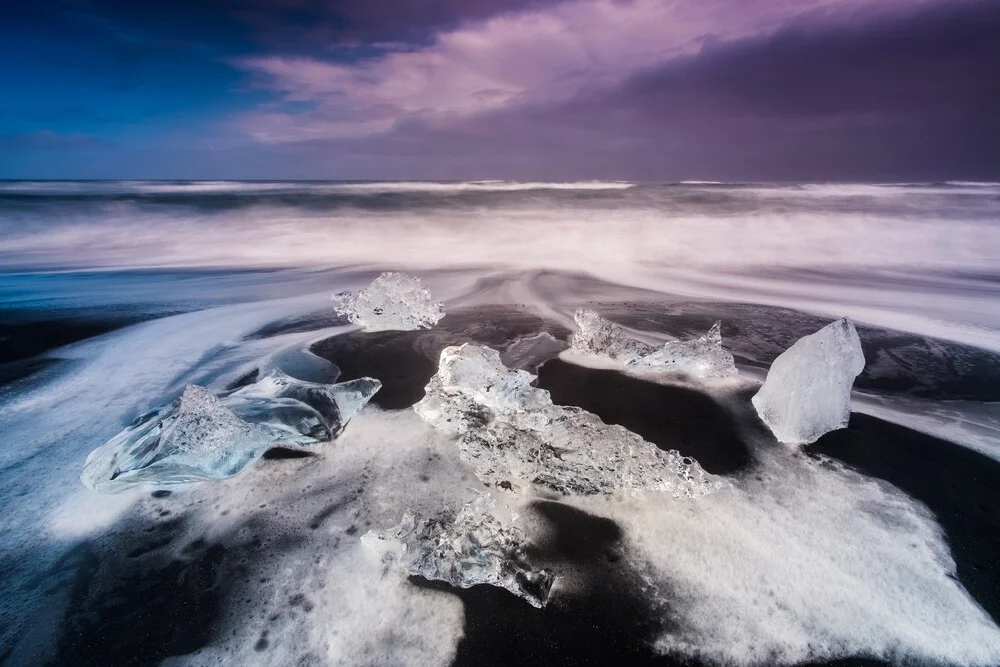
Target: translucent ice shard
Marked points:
393	302
603	337
201	436
514	436
299	412
193	438
464	549
702	357
808	388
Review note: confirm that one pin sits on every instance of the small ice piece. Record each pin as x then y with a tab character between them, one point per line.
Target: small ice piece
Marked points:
702	357
393	302
472	387
463	549
514	436
201	436
807	391
603	337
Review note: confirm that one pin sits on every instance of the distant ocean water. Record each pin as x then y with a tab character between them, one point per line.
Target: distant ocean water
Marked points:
919	257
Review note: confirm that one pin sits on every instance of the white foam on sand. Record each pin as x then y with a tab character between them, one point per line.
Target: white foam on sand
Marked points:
805	561
351	608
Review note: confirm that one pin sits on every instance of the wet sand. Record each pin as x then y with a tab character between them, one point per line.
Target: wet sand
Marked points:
26	337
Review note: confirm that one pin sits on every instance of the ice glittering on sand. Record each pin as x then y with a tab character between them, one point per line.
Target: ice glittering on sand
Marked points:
515	437
702	357
201	436
393	302
807	392
465	548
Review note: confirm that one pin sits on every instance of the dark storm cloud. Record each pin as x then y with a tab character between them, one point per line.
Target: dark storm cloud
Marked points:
298	25
293	26
915	97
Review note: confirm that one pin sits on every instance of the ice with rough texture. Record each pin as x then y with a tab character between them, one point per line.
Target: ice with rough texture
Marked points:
807	391
600	336
201	436
393	302
514	436
702	357
464	548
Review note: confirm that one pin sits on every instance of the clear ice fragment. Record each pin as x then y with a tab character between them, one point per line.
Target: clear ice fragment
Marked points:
702	357
807	392
201	436
299	412
514	436
464	548
393	302
599	336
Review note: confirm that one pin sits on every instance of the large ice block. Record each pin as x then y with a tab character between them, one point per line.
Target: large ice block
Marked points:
807	391
393	302
515	437
465	548
201	436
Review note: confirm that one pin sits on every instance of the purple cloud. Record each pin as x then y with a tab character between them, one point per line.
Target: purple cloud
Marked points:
539	56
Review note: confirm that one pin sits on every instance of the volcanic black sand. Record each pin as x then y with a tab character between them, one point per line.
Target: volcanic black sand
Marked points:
26	336
148	605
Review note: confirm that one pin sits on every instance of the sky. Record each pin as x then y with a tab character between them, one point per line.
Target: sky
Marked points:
789	90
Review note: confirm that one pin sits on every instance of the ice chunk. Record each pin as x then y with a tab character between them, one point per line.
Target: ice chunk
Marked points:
201	436
472	387
514	436
807	391
702	357
464	549
393	302
193	438
300	412
603	337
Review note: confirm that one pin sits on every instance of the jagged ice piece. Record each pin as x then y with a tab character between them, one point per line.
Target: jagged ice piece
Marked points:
513	435
807	392
464	548
201	436
393	302
597	335
702	357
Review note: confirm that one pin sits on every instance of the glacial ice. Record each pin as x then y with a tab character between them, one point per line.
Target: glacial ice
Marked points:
514	436
702	357
605	338
393	302
201	436
465	548
807	391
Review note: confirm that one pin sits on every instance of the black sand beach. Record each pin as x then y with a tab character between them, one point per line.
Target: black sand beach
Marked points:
162	598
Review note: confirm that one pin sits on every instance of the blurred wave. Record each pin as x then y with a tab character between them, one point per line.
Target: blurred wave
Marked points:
920	257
